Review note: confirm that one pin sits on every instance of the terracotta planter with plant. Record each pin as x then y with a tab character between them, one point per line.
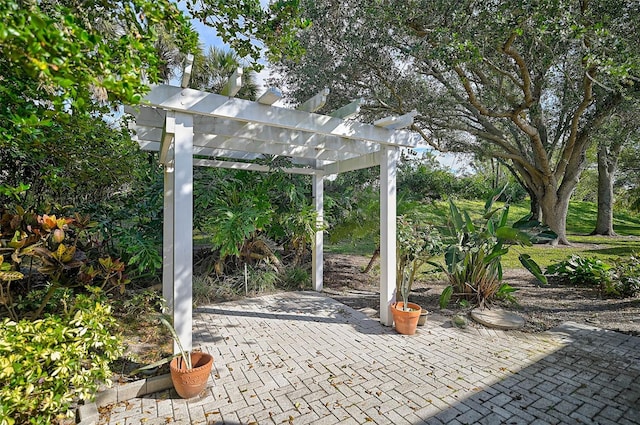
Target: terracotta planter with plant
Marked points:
417	242
406	318
189	382
190	370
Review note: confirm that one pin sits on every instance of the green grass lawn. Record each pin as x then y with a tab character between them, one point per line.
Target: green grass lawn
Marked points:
581	220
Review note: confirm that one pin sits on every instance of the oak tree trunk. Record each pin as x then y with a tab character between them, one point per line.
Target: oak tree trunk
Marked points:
554	214
535	206
607	164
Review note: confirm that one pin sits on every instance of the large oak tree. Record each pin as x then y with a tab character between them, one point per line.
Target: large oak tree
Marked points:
524	82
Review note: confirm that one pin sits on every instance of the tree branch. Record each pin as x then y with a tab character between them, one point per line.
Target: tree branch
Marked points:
464	79
570	148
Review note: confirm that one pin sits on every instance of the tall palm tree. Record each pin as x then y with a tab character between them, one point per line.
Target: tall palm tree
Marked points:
169	54
212	69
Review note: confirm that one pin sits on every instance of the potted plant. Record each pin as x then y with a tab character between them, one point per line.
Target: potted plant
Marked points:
190	370
416	243
405	314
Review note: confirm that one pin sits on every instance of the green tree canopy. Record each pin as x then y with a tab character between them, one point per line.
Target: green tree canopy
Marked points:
524	82
61	59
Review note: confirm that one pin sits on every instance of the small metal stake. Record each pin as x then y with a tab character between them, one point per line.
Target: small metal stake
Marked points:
246	278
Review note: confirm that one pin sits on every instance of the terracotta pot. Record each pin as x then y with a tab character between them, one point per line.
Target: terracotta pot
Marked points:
406	321
189	383
423	317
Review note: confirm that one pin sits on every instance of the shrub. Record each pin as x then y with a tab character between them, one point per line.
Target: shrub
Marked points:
416	243
56	253
582	271
626	282
473	263
262	280
297	277
621	279
47	364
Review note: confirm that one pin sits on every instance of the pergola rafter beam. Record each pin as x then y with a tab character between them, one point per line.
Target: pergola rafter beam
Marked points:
230	154
316	102
348	110
397	122
233	85
145	116
269	97
352	164
247	145
202	103
277	136
251	166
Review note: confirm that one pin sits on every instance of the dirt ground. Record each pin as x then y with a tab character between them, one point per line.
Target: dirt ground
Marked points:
542	306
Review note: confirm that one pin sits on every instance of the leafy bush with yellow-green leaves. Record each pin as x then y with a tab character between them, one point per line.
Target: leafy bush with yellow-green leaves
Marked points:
48	364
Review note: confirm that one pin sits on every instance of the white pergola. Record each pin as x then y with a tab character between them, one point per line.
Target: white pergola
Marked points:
194	128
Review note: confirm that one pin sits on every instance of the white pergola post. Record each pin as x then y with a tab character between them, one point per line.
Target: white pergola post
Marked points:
388	171
167	238
183	228
317	245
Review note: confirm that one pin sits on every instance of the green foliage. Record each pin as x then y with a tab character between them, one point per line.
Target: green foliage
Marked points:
578	270
297	277
53	247
261	280
80	160
49	363
473	263
205	290
130	221
581	220
626	277
244	212
64	63
142	303
273	28
186	358
235	223
416	243
505	292
487	78
212	69
620	279
31	301
424	178
75	52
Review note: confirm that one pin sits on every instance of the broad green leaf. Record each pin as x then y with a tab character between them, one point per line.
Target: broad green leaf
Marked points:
513	235
526	222
533	267
496	253
445	296
504	216
468	222
456	218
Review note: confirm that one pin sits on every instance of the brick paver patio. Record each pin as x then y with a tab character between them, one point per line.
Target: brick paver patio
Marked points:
303	358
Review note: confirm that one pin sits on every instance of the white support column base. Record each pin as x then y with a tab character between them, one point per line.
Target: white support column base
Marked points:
388	172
